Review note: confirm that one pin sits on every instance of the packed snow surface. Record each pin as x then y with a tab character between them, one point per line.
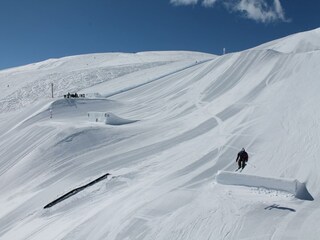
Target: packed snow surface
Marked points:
195	112
292	186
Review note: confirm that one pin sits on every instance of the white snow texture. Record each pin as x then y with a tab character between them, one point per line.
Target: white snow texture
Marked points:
292	186
173	120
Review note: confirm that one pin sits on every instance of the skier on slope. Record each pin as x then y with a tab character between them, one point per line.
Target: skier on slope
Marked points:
242	158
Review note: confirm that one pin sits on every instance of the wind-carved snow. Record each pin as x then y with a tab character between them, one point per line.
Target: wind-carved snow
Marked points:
194	115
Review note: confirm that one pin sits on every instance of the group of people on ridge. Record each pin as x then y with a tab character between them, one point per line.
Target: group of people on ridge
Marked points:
74	95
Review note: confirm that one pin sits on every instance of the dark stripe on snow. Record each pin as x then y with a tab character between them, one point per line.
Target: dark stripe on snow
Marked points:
75	191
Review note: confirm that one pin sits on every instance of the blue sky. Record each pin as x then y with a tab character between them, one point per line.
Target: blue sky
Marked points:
36	30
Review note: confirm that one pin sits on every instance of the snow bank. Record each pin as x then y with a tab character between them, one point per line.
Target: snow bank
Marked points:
292	186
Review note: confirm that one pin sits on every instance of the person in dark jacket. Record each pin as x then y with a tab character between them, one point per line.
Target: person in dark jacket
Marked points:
242	158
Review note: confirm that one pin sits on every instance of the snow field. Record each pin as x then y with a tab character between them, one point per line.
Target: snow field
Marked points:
195	112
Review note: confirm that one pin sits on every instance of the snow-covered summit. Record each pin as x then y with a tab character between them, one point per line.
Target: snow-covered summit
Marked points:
300	42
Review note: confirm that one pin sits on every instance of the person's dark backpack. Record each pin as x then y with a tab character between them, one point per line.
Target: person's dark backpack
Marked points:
244	156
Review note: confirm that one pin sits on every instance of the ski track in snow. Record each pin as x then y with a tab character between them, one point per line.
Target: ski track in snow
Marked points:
193	117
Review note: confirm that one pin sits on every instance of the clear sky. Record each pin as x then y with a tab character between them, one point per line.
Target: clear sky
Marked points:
36	30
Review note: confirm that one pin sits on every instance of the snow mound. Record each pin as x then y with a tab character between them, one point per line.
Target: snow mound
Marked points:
112	119
292	186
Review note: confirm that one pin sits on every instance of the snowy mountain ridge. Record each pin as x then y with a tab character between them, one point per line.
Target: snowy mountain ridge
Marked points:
297	43
186	117
24	85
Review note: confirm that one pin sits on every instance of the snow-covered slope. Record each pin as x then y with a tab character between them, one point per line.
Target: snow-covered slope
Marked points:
296	43
193	112
24	85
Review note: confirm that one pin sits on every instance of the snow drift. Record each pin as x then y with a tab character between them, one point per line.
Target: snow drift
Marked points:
292	186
